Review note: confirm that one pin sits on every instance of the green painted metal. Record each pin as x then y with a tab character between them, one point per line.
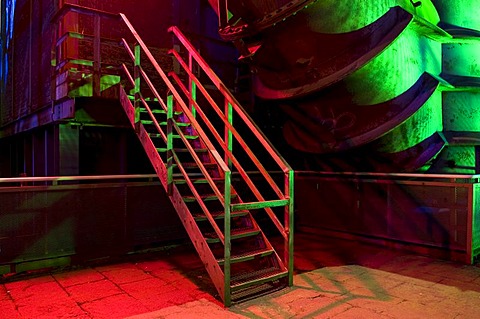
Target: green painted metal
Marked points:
170	123
209	166
259	205
289	224
227	234
228	132
137	87
285	196
193	88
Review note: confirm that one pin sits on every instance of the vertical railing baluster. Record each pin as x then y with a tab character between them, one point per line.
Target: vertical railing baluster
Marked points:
97	63
227	234
136	89
228	132
289	222
170	144
193	86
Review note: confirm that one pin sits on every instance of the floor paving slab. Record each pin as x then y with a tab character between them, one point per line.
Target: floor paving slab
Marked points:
329	283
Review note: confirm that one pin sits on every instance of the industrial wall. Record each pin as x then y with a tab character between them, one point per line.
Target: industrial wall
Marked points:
26	75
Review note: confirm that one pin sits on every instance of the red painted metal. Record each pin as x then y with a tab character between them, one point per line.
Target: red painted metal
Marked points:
193	137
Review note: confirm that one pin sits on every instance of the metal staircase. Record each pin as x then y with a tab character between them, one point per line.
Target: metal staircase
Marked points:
217	175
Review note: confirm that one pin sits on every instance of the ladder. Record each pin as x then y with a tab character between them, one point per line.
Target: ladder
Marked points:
237	213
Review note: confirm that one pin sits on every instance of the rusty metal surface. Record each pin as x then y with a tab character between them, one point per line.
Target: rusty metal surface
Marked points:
256	16
338	124
307	63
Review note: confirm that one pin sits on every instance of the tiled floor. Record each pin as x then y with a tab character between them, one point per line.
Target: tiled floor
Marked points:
334	280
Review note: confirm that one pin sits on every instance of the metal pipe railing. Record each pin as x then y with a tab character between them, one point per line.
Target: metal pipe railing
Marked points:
231	104
231	99
56	179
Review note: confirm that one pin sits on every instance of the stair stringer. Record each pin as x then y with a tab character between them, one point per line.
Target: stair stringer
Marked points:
193	231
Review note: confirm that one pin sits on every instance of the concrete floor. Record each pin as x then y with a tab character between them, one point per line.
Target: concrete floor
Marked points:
334	279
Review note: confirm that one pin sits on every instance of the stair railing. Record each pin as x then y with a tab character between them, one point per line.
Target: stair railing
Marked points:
135	80
232	107
139	75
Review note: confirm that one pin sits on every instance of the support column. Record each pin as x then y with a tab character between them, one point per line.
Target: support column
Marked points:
68	149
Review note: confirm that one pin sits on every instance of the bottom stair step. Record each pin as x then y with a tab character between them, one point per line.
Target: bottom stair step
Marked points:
247	255
257	291
253	278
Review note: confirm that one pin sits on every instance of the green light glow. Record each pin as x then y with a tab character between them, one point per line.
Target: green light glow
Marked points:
462	59
396	69
85	90
424	123
465	13
337	16
459	115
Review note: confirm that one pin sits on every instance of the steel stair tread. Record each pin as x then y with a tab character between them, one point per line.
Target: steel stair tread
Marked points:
219	215
252	278
164	123
247	255
257	267
182	150
180	181
158	135
235	234
158	111
204	197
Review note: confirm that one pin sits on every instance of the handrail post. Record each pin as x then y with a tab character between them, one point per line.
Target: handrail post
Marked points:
170	144
227	235
289	220
136	90
228	132
97	63
192	86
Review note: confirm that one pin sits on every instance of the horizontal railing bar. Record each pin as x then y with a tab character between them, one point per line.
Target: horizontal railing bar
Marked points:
201	165
68	7
74	178
231	99
83	36
172	89
200	201
242	172
259	205
243	144
386	175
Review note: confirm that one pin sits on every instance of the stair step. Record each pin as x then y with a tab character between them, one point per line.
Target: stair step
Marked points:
244	256
164	123
195	165
235	234
181	181
205	198
158	111
253	278
256	291
219	215
158	135
182	150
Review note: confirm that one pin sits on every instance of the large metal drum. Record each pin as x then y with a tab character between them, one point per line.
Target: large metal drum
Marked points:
354	78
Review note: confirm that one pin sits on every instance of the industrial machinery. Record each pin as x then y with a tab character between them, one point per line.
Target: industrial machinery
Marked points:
386	86
354	87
